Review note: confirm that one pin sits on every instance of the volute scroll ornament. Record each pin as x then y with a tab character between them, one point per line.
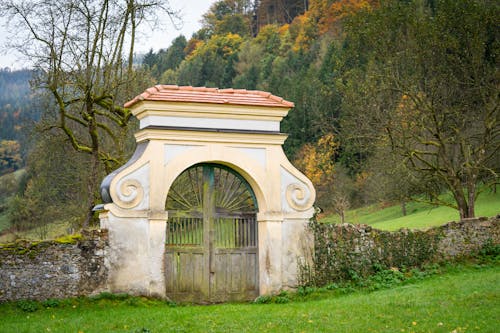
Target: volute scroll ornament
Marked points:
299	197
130	193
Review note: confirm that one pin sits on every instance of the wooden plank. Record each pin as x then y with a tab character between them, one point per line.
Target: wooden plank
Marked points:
234	270
251	272
169	273
220	273
185	274
199	273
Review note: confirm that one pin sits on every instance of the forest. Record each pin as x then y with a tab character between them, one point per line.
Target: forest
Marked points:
395	100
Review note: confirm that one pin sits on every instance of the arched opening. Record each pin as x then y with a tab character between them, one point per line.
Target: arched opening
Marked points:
211	242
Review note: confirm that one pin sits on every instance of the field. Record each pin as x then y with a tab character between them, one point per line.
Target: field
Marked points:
419	215
464	299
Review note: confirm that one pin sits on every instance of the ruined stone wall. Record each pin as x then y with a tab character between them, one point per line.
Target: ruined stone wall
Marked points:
344	250
54	269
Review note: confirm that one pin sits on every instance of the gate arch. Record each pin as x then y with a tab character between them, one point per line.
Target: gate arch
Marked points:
233	158
236	131
211	236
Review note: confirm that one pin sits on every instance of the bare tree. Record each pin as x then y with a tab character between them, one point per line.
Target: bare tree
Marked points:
428	89
83	52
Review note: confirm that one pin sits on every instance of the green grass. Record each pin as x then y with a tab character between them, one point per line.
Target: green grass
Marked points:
464	299
419	215
51	231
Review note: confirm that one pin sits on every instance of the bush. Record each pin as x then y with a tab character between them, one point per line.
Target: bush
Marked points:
282	298
109	296
27	305
490	250
51	303
265	299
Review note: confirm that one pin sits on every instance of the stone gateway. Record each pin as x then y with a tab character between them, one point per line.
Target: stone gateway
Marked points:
208	209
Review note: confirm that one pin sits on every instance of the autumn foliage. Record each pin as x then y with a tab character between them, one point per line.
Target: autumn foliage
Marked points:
317	160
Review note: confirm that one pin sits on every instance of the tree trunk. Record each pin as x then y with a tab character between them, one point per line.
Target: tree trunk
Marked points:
403	207
472	200
94	162
342	216
91	188
463	206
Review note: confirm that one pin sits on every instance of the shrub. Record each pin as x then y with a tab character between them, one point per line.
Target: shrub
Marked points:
490	250
51	303
27	305
265	299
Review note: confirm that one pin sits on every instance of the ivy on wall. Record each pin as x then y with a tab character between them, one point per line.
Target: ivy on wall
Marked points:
345	251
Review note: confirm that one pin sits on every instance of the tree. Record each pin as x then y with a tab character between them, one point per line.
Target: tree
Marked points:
10	156
150	59
279	11
8	188
83	52
341	192
247	68
166	60
55	186
390	179
423	79
317	161
212	62
229	16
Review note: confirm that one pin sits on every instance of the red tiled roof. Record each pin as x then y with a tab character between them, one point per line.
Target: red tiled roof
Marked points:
188	94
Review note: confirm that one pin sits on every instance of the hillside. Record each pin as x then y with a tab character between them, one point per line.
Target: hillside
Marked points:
393	100
16	108
419	215
18	114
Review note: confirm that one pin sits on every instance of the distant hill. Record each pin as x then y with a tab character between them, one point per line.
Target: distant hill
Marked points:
17	109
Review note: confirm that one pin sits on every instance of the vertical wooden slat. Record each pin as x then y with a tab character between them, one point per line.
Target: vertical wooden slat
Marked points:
241	240
246	243
176	230
191	231
247	232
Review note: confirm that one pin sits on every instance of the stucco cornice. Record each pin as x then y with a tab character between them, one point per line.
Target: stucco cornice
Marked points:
173	135
201	110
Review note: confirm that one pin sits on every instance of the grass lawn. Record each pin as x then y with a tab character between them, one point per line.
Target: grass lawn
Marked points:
50	231
419	215
465	299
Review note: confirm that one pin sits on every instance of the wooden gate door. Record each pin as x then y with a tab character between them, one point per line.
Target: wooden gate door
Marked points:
211	248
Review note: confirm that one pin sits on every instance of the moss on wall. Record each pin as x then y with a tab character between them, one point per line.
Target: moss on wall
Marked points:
343	251
66	267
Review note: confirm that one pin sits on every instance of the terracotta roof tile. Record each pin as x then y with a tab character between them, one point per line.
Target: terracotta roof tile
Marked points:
188	94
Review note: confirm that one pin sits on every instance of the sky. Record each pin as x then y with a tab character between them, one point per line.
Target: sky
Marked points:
191	11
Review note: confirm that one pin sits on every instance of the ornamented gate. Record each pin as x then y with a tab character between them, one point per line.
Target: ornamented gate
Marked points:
182	222
211	243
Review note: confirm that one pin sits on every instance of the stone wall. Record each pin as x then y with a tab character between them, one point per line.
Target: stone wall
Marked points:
346	250
59	269
54	269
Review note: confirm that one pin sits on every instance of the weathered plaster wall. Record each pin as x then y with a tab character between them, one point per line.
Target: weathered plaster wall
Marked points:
49	269
135	254
344	250
296	242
